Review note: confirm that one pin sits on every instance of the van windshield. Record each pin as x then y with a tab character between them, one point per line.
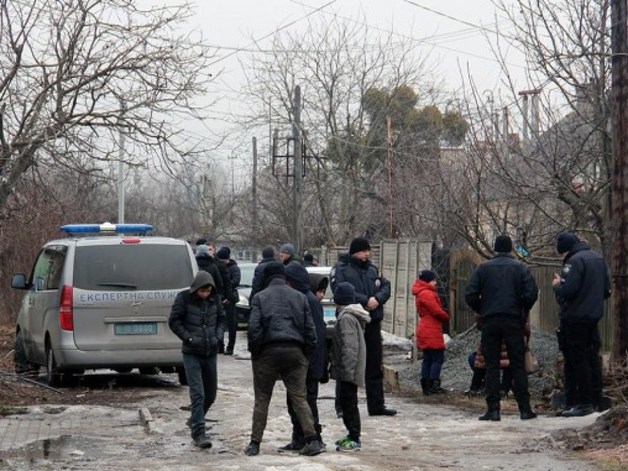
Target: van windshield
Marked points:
132	267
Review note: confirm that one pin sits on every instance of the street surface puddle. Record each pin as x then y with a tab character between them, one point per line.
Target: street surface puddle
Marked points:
47	449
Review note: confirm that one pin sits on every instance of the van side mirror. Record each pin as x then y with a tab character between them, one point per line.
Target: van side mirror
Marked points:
18	281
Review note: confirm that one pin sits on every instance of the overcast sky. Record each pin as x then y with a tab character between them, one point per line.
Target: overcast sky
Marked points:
453	32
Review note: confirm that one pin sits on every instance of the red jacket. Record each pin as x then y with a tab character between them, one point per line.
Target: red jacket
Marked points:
429	333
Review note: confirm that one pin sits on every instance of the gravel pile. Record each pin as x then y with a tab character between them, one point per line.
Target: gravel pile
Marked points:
456	374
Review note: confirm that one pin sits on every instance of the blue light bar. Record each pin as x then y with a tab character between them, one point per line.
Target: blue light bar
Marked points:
105	228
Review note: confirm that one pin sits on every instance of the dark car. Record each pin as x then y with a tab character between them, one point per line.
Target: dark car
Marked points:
247	270
246	281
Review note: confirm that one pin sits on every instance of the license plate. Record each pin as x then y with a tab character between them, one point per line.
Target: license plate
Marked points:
135	328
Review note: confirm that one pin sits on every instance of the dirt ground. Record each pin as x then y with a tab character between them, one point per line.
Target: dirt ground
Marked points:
605	440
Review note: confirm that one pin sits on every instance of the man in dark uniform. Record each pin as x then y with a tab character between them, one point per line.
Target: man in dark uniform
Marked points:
580	290
502	291
371	291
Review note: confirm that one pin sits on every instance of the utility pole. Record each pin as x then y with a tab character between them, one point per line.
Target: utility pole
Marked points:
121	165
619	195
530	115
297	196
254	219
391	194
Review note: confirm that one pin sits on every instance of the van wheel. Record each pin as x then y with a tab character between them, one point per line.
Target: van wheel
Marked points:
54	376
20	360
149	370
183	379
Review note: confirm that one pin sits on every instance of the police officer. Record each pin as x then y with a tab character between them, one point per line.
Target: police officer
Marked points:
371	291
580	290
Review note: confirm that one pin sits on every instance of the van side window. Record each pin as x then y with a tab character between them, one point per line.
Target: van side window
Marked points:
48	268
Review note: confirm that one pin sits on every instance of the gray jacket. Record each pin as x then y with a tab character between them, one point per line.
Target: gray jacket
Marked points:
349	346
280	314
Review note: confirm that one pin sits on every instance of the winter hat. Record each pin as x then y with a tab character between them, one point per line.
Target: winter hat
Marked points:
289	249
344	294
565	242
268	252
202	250
201	241
201	279
297	276
503	244
358	245
308	257
224	253
427	275
272	269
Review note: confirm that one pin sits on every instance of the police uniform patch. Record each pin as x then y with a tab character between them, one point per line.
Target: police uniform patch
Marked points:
567	268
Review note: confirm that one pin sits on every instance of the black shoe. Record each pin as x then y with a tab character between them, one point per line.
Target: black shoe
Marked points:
492	415
312	448
527	415
384	411
252	449
292	446
578	411
229	351
202	441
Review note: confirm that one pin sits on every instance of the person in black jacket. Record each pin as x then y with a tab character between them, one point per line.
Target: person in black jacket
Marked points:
268	255
502	291
281	337
580	290
298	278
207	262
371	291
197	319
224	256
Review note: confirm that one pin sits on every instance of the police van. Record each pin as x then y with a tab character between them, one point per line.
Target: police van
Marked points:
101	298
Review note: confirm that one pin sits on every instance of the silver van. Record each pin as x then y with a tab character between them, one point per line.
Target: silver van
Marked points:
101	298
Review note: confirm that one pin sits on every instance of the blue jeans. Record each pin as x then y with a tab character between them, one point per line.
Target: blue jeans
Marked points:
432	364
202	376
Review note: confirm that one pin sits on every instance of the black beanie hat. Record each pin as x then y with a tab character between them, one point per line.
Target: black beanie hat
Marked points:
503	244
565	242
201	241
344	294
224	253
427	275
268	252
273	269
308	257
358	245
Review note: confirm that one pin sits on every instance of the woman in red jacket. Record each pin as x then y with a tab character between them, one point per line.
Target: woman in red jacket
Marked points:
429	332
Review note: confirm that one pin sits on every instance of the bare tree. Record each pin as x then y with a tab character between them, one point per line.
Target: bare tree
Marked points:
336	62
77	73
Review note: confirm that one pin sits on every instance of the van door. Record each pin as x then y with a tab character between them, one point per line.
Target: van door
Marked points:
123	294
42	300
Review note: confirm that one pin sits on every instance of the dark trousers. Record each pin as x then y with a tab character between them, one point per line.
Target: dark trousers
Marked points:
496	330
202	379
232	324
432	363
288	363
582	365
311	386
348	394
374	375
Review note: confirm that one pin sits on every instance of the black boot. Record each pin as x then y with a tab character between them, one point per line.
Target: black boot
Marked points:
425	386
526	412
492	415
435	387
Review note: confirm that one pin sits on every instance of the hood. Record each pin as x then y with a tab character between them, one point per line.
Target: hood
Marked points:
298	277
356	310
201	279
419	286
578	247
318	281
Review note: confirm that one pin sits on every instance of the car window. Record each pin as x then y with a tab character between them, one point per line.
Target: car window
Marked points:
48	268
246	275
132	267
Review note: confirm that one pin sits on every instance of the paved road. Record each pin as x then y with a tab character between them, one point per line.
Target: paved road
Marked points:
421	437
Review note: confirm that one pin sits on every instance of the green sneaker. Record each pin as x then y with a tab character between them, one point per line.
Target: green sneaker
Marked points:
349	445
342	440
